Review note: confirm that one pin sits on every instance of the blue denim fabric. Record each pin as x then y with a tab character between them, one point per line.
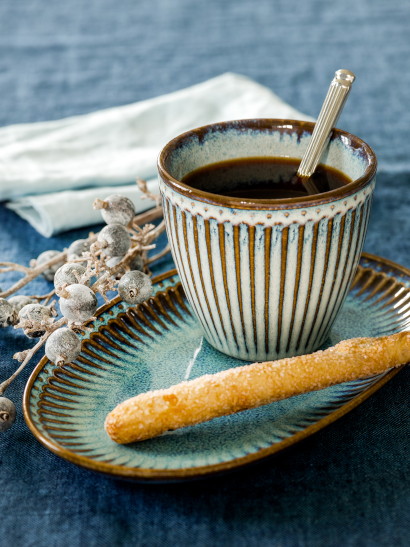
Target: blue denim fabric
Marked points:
347	485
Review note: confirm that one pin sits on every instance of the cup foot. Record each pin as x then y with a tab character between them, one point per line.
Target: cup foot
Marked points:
261	356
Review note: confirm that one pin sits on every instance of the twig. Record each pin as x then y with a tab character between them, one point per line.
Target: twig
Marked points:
147	216
32	273
45	297
155	232
159	255
4	385
13	267
142	185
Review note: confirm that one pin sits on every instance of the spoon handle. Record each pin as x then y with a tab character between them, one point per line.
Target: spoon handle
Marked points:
331	109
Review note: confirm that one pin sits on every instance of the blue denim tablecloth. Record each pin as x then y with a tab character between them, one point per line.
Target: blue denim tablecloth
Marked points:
347	485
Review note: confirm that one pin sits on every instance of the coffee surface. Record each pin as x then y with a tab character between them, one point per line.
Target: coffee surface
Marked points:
263	178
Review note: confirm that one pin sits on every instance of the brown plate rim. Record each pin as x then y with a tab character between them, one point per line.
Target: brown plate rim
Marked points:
167	475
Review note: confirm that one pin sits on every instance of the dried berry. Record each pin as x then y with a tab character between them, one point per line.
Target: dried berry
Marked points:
114	240
77	248
136	263
45	257
7	313
63	346
113	262
134	287
79	304
68	274
19	301
34	317
116	209
7	414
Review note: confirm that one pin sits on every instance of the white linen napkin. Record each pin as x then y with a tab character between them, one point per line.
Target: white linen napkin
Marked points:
53	170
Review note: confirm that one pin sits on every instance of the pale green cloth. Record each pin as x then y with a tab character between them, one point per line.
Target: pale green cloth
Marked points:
53	170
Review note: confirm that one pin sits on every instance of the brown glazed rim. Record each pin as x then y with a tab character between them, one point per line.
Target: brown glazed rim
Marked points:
284	126
171	475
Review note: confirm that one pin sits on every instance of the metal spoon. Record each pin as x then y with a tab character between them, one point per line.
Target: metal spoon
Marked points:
332	106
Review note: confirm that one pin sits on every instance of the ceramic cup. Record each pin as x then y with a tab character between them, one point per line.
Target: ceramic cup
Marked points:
265	278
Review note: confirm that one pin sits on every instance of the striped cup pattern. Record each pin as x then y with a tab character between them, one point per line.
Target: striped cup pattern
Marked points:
262	290
266	283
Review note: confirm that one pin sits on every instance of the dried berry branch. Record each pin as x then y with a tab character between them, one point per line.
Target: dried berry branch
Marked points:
13	267
147	216
28	354
113	259
45	298
146	194
30	273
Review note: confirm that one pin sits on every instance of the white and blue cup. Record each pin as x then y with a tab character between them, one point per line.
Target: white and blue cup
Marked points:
265	278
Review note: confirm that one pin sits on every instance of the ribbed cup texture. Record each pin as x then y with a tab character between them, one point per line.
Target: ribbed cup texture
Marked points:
266	289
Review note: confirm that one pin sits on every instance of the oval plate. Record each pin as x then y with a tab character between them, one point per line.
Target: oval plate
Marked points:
159	343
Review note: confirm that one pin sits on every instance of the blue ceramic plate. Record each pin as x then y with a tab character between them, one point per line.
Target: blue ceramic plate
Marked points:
159	343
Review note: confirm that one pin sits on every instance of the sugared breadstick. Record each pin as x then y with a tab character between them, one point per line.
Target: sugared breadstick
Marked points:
188	403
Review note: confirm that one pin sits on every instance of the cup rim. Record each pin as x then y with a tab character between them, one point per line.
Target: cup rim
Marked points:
287	126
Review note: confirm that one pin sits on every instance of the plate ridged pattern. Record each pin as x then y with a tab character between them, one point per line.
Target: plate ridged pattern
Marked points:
160	343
